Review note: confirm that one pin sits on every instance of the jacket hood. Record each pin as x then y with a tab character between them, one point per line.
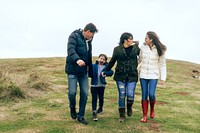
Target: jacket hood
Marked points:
79	31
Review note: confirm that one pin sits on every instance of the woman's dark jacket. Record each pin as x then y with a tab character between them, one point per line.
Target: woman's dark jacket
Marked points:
126	68
77	49
94	80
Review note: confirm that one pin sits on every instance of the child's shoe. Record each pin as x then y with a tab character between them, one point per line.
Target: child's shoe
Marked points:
94	115
99	111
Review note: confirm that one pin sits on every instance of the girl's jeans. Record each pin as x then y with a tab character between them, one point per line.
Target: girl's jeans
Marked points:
125	89
97	93
148	87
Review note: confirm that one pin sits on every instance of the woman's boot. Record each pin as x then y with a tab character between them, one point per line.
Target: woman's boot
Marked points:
145	110
129	109
121	114
152	113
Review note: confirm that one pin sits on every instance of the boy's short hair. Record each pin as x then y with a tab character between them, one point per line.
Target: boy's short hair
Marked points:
105	56
91	27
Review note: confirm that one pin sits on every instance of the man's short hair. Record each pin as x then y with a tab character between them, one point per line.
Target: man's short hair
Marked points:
91	27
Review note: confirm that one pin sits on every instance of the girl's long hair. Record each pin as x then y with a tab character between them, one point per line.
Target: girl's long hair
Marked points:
161	48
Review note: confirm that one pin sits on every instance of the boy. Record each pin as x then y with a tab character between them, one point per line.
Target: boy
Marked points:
98	83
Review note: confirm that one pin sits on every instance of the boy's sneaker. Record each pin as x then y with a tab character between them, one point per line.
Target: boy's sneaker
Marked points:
82	120
99	111
94	115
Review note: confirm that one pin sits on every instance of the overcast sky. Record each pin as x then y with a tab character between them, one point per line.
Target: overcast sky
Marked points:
40	28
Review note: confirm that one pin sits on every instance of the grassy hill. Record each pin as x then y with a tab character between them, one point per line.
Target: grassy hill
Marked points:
33	99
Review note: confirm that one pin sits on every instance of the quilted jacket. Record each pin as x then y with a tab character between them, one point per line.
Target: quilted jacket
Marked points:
77	49
151	65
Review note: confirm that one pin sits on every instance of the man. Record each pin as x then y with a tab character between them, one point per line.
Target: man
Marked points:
78	65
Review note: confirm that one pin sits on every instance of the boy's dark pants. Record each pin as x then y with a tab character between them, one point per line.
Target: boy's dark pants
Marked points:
97	92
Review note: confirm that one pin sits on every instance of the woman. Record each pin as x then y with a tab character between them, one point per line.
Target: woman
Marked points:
126	74
152	67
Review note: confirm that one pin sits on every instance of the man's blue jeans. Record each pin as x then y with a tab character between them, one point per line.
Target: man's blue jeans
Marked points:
148	87
125	89
72	90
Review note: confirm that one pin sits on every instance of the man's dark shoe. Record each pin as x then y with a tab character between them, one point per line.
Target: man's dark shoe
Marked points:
99	111
73	113
82	120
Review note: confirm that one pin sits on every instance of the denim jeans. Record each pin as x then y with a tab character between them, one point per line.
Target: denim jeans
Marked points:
125	89
148	87
72	90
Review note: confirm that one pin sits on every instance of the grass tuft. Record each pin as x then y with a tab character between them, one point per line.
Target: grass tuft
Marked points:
11	91
37	82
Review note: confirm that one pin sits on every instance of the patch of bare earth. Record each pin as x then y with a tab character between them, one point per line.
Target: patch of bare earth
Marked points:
160	103
154	126
182	93
114	100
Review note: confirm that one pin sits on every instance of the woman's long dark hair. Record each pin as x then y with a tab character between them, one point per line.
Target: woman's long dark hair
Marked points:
161	48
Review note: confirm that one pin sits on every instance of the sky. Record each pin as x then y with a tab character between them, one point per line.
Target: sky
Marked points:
40	28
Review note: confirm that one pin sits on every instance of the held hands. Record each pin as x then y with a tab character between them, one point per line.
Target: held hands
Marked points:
80	63
103	74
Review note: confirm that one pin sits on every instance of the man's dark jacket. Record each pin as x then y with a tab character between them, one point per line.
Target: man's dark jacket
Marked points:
77	49
126	68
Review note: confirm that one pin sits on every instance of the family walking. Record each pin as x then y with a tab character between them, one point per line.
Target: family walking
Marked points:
146	64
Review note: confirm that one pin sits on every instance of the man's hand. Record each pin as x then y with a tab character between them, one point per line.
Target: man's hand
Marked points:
80	63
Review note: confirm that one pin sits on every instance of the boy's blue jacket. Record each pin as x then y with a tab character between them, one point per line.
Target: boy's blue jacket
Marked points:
94	79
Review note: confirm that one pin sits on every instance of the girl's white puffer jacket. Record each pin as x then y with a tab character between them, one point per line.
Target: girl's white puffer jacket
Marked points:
151	65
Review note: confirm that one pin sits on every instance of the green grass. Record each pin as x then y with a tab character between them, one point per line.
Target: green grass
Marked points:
44	107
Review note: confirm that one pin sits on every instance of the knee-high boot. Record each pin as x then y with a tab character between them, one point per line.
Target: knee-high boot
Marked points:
129	109
145	110
121	114
152	112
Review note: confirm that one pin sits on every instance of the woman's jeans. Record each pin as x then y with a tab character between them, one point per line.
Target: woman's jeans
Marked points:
125	89
148	87
72	90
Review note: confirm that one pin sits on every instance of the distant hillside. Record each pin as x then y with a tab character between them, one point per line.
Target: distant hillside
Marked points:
32	75
33	98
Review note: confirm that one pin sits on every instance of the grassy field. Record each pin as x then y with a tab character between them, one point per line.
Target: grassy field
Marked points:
33	99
